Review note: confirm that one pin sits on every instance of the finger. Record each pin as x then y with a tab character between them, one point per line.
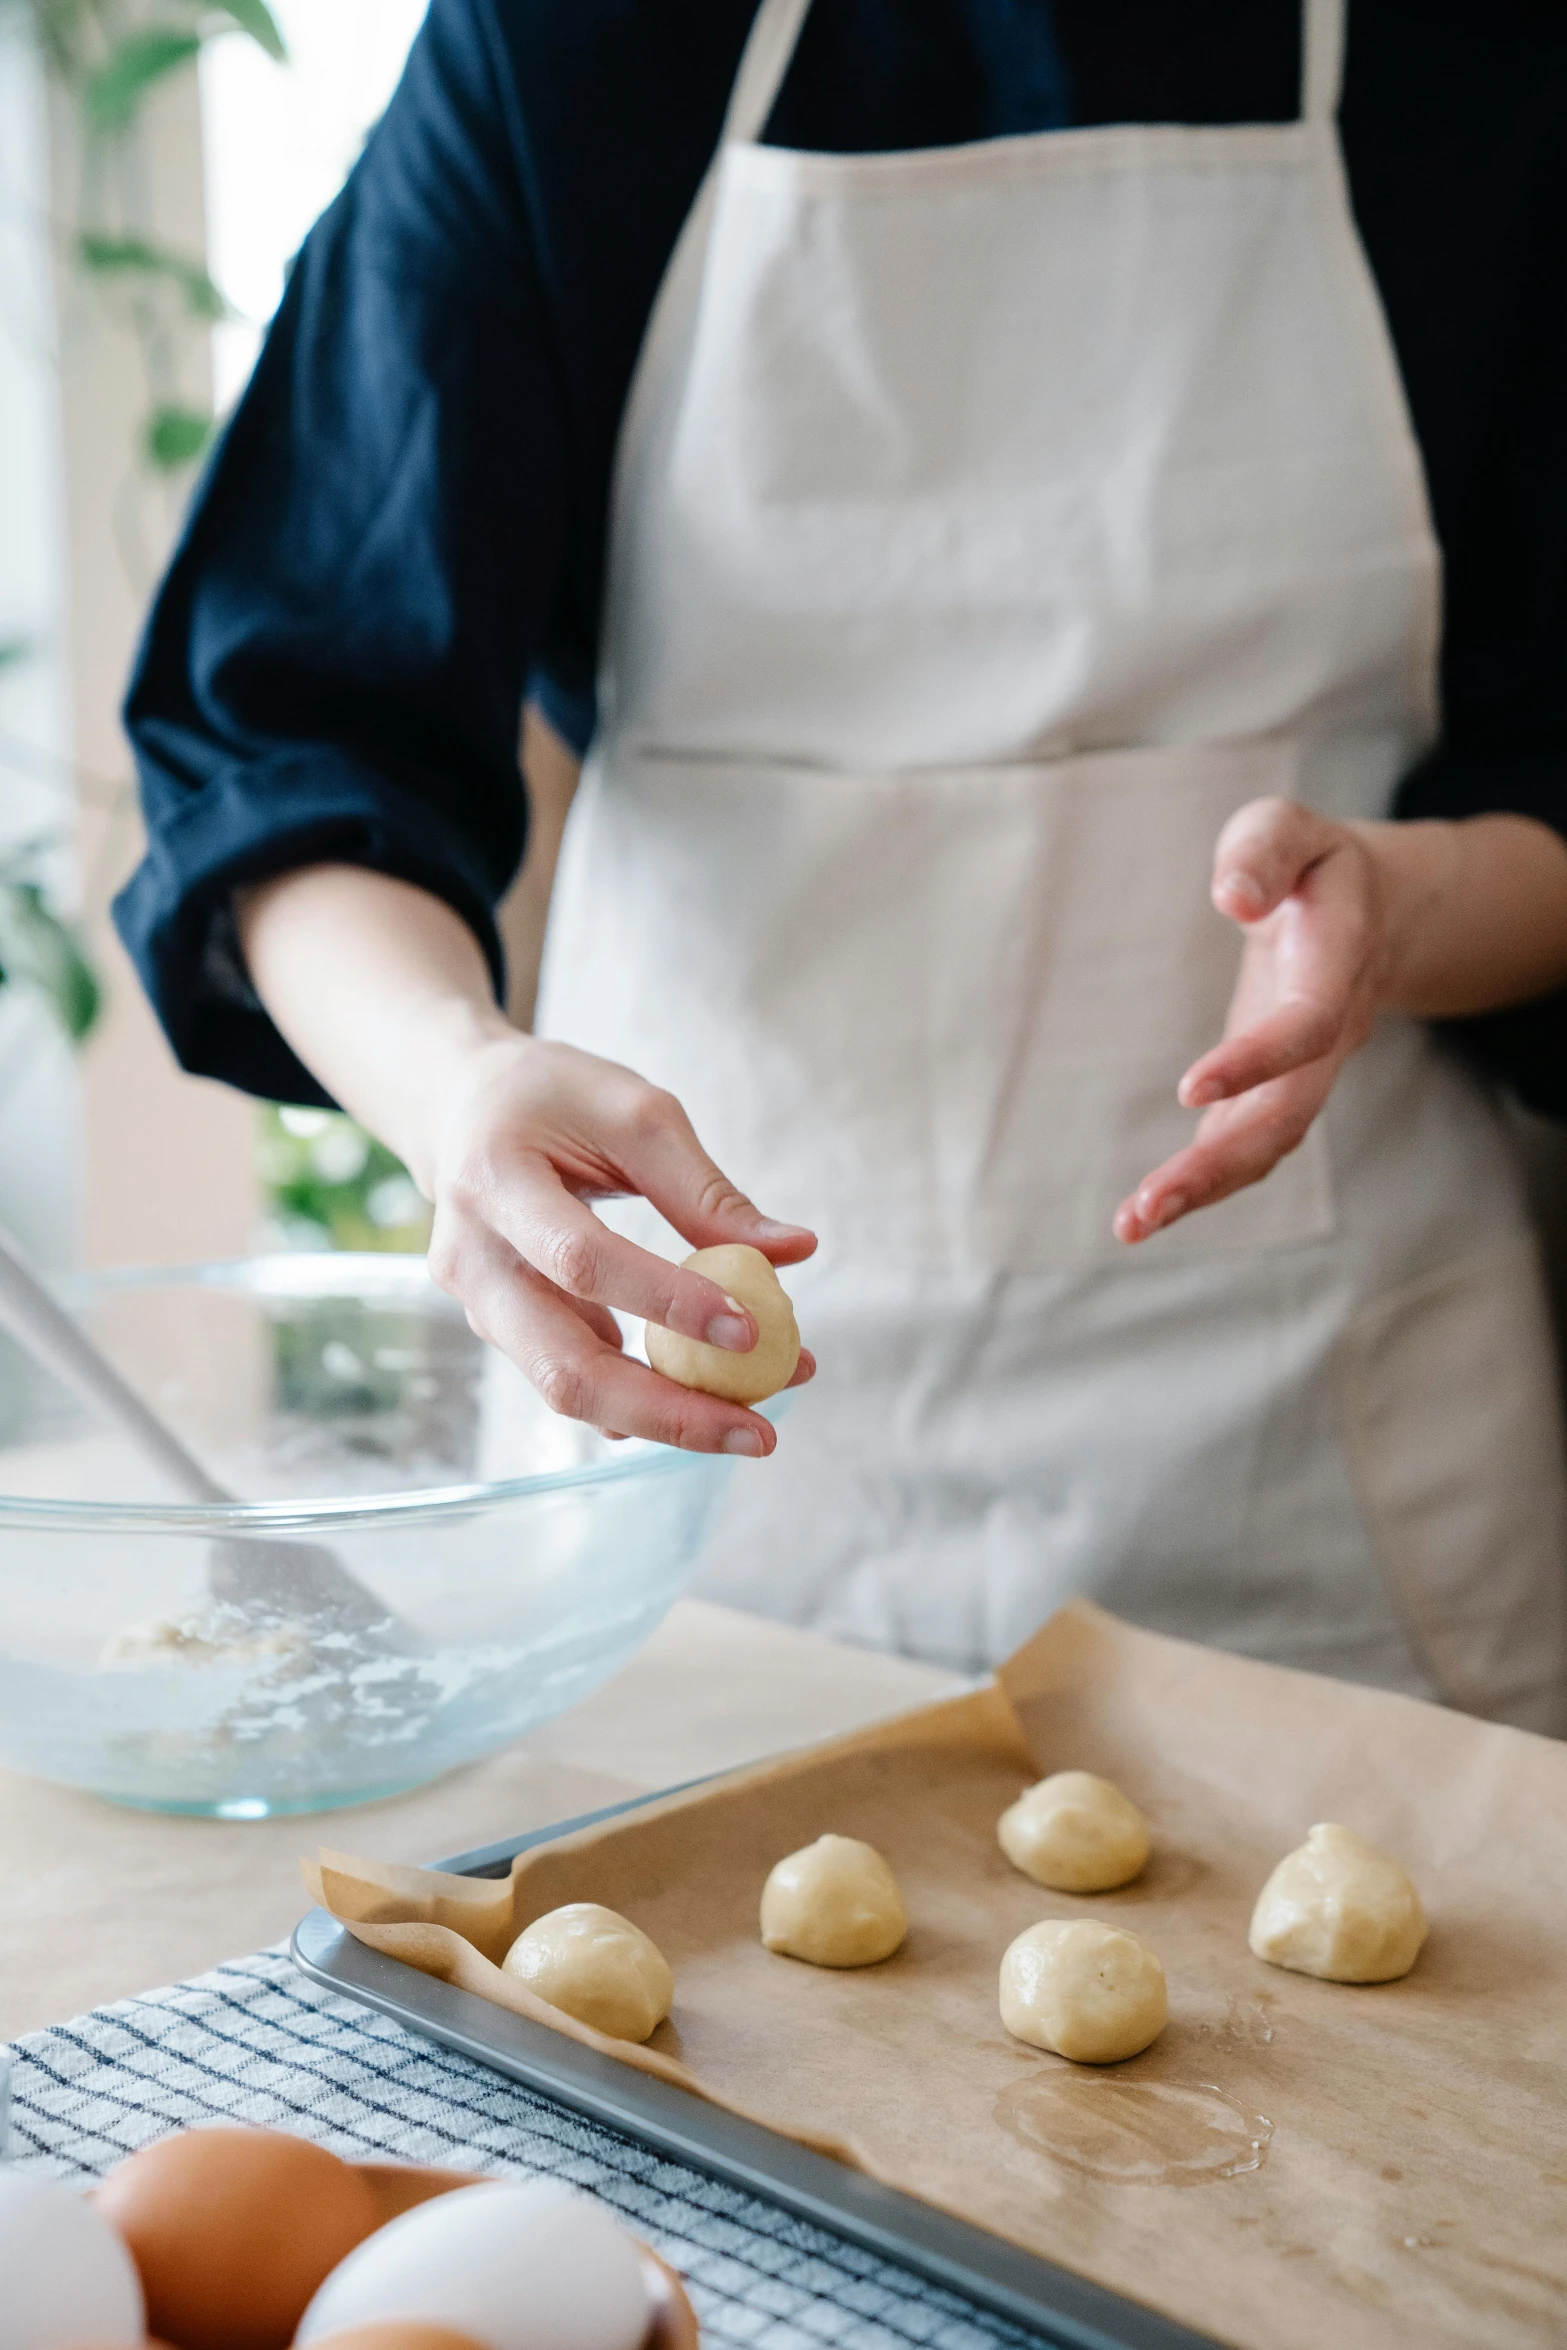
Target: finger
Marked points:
559	1235
804	1370
1236	1145
600	1320
1290	1038
1320	960
1263	853
556	1343
693	1193
583	1378
467	1257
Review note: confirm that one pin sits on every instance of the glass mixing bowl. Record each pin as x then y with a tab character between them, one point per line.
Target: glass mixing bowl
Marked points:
425	1564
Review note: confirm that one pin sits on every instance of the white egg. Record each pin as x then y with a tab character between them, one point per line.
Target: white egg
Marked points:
518	2268
65	2276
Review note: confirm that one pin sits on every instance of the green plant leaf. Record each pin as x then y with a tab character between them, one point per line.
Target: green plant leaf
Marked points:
256	18
38	950
113	94
136	257
176	436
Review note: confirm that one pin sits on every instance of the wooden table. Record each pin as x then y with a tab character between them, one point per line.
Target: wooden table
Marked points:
98	1902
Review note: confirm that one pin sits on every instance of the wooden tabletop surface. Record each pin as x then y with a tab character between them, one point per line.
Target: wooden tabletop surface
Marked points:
98	1902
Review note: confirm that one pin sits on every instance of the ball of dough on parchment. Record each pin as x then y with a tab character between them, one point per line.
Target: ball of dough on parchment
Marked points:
1338	1908
836	1903
745	1275
1075	1833
1093	1992
593	1964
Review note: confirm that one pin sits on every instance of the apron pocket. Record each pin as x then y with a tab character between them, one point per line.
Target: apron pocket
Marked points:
939	1015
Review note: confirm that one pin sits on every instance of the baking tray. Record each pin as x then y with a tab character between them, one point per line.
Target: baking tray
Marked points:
1065	2309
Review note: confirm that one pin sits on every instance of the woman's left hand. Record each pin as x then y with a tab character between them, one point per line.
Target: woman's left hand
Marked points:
1311	899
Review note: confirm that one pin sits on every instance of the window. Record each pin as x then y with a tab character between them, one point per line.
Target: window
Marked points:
279	142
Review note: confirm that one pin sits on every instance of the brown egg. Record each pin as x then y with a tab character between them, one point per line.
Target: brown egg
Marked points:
399	2333
233	2230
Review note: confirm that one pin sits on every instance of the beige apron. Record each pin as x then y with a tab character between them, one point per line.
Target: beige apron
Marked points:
991	522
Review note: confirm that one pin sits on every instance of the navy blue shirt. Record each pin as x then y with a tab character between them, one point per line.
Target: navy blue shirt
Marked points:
402	532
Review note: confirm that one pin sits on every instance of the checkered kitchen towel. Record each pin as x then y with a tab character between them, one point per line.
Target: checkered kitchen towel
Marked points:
256	2042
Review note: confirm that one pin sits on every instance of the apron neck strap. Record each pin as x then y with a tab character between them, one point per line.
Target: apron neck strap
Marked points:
768	50
777	25
1323	43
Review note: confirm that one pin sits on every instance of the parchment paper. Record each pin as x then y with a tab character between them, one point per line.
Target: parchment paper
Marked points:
1292	2164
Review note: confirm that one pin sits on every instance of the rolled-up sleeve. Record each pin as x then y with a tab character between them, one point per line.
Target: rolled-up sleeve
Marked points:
335	666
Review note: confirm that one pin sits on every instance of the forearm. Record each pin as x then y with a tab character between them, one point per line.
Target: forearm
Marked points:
1474	913
380	989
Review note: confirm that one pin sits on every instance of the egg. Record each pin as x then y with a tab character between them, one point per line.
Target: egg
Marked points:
65	2276
533	2267
233	2230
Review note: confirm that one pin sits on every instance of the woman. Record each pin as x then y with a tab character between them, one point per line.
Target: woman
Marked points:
1018	526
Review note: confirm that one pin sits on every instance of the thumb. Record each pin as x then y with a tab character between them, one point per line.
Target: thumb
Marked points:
1264	853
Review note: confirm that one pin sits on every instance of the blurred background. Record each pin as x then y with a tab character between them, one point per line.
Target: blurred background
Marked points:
160	161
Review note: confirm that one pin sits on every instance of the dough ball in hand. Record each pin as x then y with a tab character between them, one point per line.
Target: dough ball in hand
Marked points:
1338	1908
836	1903
1093	1992
745	1275
593	1964
1075	1833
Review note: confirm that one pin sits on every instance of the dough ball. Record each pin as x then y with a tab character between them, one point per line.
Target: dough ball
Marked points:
1092	1992
1075	1833
1338	1908
746	1275
836	1903
593	1964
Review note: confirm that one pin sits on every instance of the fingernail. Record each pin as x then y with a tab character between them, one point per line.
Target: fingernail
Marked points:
1242	887
1197	1097
770	1230
1174	1206
746	1441
731	1331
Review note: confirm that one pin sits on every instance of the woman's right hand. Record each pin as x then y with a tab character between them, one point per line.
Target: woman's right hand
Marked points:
530	1133
383	993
